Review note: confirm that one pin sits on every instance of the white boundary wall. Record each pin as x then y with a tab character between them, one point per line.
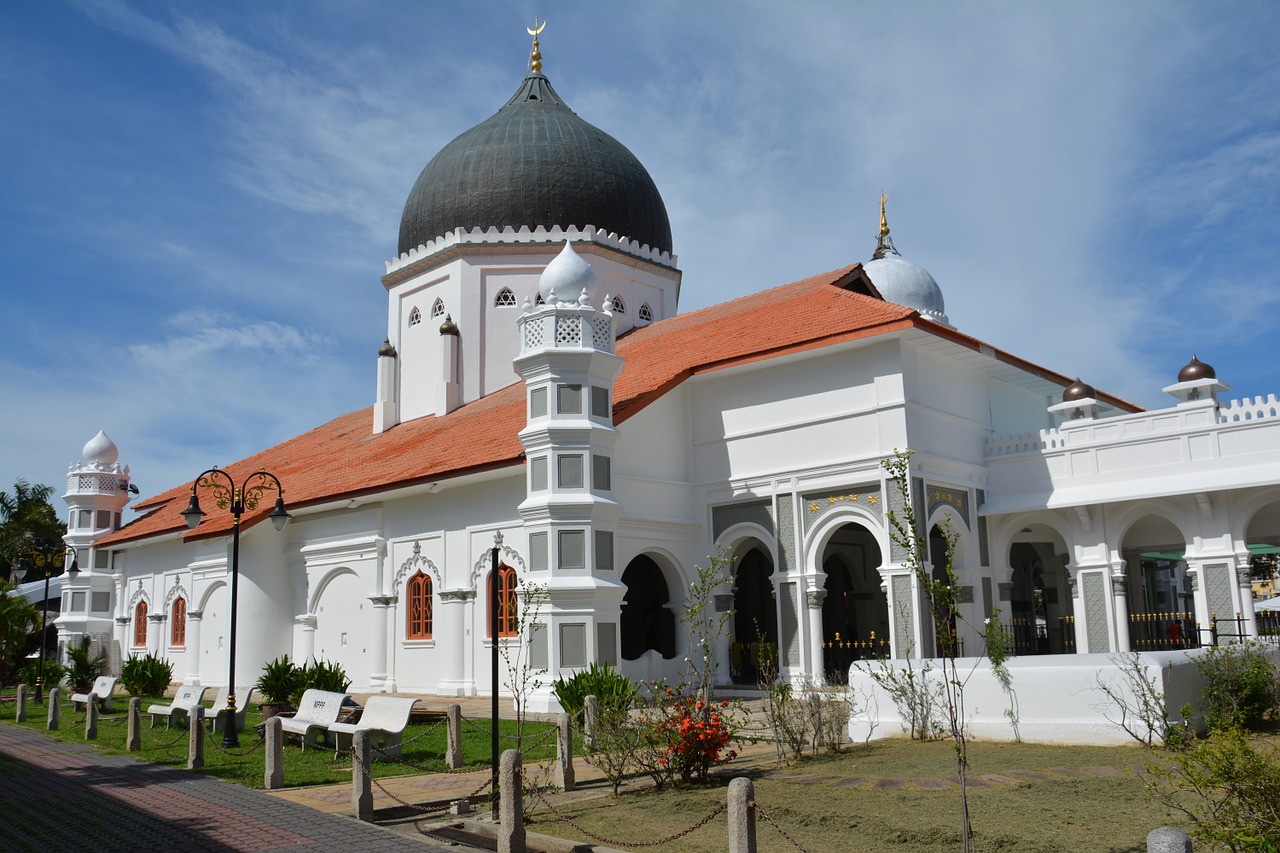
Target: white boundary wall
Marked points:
1057	697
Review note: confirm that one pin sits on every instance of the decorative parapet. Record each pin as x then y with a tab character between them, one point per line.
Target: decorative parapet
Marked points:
566	326
1249	409
541	234
1134	427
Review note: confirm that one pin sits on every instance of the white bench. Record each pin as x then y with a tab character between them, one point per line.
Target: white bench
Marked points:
316	712
384	717
184	700
244	698
101	692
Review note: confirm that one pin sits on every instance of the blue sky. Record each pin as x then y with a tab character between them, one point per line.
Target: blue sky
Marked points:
196	199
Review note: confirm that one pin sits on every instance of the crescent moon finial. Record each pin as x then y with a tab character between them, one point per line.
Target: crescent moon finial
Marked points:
535	56
884	223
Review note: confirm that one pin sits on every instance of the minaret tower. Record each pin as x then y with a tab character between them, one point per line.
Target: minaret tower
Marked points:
98	488
568	366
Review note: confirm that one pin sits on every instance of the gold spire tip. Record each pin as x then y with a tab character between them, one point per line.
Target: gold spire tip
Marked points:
535	56
884	223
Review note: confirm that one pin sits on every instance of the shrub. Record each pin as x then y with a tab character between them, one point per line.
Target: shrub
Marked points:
688	736
612	690
146	676
54	672
86	664
280	681
1241	685
320	675
1228	787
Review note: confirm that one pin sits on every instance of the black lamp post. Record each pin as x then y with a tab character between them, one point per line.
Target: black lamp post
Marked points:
237	500
45	563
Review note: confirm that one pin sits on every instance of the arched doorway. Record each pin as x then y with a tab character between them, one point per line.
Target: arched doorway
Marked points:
1040	615
855	610
647	623
1160	599
938	558
1262	537
755	618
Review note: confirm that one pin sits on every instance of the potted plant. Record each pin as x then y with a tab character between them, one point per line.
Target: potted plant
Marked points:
279	681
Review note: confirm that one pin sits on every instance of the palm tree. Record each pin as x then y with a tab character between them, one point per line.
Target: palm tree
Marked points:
30	529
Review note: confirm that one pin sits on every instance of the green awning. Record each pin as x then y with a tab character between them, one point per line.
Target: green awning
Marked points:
1178	555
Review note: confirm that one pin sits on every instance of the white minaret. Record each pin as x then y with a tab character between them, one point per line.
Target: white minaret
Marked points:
568	366
98	489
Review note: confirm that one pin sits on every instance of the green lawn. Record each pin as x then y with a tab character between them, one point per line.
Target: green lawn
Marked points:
424	748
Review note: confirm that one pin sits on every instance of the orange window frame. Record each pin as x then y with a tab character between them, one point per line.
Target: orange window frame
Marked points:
178	626
419	610
506	601
140	624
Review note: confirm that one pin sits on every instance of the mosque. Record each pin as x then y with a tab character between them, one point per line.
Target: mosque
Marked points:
538	392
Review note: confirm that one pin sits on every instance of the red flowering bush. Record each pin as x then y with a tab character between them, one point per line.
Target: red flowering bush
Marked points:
687	736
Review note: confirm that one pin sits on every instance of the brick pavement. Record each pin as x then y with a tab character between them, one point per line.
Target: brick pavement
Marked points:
65	797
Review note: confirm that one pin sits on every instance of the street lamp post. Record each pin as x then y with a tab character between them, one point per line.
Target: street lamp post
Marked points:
237	500
45	563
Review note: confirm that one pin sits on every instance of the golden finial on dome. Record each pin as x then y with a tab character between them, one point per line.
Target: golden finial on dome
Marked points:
884	223
535	56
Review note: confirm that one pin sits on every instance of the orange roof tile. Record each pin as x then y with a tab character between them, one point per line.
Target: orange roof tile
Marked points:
343	459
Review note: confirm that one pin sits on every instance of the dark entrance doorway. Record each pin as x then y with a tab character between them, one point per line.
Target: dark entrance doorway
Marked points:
855	611
755	619
647	623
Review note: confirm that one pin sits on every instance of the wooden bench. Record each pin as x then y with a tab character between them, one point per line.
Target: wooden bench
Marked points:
101	692
184	700
218	714
384	717
316	712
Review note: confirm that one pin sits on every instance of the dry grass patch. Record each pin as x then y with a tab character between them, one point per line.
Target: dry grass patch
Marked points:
1093	811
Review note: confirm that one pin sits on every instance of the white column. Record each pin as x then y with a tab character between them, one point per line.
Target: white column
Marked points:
378	658
1245	584
1120	603
814	599
155	633
123	641
306	649
392	634
450	634
194	620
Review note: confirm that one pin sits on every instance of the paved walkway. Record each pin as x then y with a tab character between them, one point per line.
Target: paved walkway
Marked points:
65	797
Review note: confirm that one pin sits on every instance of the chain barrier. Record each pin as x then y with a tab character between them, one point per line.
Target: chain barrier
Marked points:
355	759
421	735
166	744
212	738
780	830
613	842
113	721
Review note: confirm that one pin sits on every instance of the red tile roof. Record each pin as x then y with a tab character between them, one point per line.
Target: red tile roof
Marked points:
343	459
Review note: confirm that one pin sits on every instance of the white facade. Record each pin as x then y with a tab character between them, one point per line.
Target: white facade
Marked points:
1091	525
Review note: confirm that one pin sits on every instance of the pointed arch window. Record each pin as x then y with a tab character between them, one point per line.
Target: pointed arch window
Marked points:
178	623
539	300
437	308
418	595
140	624
415	316
505	298
645	313
619	307
506	578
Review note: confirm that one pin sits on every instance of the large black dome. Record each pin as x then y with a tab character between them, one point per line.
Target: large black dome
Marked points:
535	163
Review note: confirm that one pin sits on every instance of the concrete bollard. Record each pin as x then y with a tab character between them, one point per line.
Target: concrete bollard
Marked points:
453	760
91	721
133	740
54	710
1168	839
511	838
564	752
742	817
361	783
195	738
22	703
273	771
590	715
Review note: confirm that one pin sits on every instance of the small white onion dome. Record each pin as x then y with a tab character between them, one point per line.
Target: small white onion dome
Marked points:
100	451
567	276
902	282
